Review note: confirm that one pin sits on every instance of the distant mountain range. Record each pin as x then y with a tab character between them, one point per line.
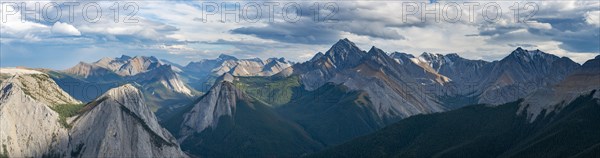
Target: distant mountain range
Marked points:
345	102
556	121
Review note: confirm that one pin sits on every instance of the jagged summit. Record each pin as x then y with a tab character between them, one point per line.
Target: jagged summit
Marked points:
427	54
528	55
282	59
402	58
123	66
220	101
343	46
401	54
207	68
453	55
344	53
166	76
227	57
519	49
124	57
534	56
317	56
375	50
120	124
124	91
226	77
435	59
379	56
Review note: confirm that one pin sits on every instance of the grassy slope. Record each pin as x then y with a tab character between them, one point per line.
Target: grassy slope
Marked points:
479	131
65	111
276	91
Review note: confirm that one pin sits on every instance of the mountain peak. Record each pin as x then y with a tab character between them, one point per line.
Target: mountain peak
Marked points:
124	57
430	55
221	99
126	89
317	56
345	43
453	55
592	65
227	57
121	115
345	53
402	55
376	51
151	58
519	49
528	55
226	77
282	59
272	60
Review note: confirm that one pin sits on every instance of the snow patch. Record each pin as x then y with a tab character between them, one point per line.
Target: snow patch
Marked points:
20	71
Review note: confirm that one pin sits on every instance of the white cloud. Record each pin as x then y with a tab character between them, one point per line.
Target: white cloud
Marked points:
169	28
65	29
14	28
176	49
593	17
539	25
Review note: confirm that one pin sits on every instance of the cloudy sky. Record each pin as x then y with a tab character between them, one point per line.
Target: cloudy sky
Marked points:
60	34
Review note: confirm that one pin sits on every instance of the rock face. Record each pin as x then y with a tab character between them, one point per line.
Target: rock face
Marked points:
393	88
42	88
220	101
456	68
394	94
237	67
119	124
129	66
86	70
152	74
371	88
167	77
28	126
552	98
322	67
521	73
226	122
498	82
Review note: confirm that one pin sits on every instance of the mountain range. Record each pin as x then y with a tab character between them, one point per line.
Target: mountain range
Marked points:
346	102
556	121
